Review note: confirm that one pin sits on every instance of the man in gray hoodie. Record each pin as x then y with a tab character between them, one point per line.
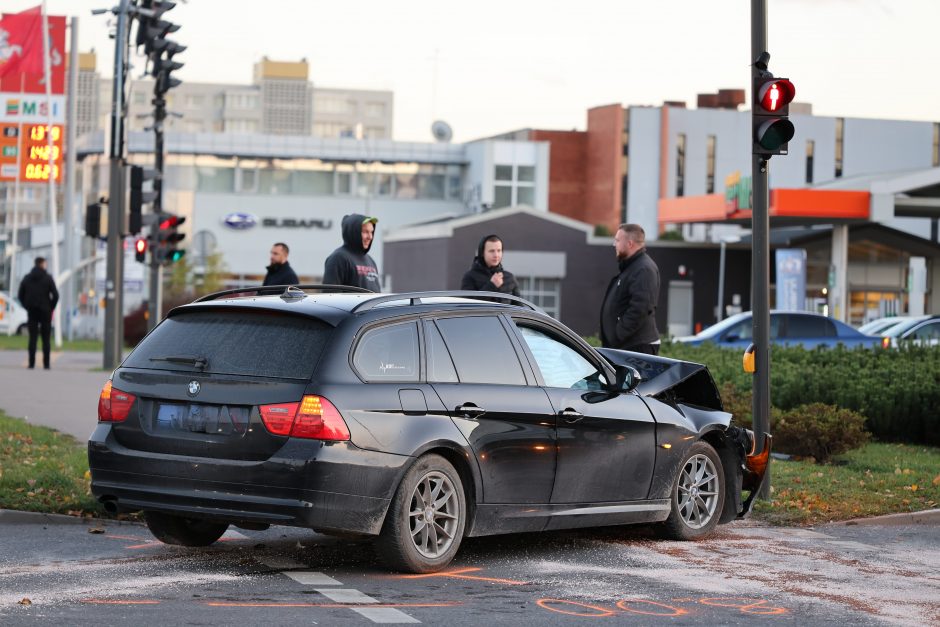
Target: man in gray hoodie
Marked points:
350	264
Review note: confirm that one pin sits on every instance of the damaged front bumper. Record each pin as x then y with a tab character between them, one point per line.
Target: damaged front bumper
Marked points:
751	464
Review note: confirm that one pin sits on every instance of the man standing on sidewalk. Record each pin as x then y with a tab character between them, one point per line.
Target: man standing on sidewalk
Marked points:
628	315
39	296
351	264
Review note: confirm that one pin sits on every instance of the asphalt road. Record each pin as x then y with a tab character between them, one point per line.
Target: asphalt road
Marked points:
747	574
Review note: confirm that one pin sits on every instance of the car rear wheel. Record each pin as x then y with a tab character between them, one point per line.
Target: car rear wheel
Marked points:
698	494
425	521
181	531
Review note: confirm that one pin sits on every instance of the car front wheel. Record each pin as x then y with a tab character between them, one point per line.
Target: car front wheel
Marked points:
425	521
698	494
181	531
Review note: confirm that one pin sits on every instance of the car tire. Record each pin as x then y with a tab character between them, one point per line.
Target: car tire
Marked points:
181	531
698	494
408	542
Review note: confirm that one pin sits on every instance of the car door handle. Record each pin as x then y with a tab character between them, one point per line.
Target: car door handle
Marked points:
570	415
469	410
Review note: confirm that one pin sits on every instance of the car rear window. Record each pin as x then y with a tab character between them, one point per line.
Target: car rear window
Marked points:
238	342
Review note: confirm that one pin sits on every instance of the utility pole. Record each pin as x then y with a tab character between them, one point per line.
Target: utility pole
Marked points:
155	301
114	281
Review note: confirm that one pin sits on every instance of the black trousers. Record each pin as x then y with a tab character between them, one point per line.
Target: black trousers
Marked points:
648	349
39	322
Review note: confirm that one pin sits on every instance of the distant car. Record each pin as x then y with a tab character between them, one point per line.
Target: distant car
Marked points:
879	325
917	330
786	328
416	418
13	316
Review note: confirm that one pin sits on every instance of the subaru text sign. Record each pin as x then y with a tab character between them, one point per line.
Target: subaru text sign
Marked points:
244	221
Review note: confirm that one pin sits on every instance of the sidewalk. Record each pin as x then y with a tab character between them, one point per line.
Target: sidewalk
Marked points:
64	398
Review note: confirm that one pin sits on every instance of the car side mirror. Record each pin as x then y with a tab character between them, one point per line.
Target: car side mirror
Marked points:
627	379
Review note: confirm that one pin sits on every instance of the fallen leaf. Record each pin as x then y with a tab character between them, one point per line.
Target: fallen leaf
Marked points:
897	471
30	482
87	475
936	480
914	487
907	471
96	530
25	601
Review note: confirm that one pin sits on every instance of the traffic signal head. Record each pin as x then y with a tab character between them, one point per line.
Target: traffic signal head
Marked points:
140	249
771	127
167	239
138	197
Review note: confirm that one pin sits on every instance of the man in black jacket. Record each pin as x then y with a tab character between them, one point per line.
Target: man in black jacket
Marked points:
486	273
39	296
628	316
280	272
350	264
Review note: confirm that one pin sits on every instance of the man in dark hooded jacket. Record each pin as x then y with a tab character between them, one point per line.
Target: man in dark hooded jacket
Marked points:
280	272
350	264
486	273
39	296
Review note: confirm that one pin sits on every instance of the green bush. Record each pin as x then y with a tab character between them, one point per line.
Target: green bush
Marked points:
818	430
898	390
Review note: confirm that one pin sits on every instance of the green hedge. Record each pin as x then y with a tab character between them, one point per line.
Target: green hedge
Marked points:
898	391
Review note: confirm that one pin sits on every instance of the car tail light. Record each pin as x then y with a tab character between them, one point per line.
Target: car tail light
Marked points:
314	417
113	404
886	342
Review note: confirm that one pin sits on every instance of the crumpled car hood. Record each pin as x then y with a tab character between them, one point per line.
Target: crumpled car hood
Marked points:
660	373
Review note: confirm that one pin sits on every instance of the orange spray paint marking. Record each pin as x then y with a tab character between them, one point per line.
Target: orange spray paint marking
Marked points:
670	610
329	605
746	606
118	602
597	612
461	574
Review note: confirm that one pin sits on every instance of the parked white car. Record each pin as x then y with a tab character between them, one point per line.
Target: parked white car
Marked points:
13	316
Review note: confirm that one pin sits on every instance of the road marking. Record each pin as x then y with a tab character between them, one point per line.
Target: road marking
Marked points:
462	574
388	615
231	534
311	578
345	595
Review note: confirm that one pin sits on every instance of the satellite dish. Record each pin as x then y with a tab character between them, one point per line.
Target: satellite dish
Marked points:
442	131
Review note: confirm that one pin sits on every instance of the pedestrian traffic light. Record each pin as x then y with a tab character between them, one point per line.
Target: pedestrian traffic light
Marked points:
138	197
772	128
152	31
93	220
167	238
140	249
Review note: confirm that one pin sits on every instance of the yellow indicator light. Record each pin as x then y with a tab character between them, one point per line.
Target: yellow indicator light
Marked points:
749	360
311	406
667	446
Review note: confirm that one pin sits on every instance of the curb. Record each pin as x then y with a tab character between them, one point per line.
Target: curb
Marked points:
17	517
926	517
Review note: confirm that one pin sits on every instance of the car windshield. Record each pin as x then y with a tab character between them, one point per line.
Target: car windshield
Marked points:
901	327
725	324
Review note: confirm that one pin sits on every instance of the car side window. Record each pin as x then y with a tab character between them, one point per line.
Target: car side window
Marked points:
927	332
388	353
440	364
561	366
808	326
481	350
744	330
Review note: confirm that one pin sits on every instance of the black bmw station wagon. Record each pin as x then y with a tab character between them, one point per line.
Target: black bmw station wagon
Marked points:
418	418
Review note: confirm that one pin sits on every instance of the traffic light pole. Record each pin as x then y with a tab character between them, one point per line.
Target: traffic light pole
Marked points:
155	302
760	258
114	281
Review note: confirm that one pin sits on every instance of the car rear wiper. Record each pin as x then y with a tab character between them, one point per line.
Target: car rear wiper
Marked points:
200	363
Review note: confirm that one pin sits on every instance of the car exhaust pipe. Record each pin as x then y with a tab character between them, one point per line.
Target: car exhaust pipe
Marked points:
110	504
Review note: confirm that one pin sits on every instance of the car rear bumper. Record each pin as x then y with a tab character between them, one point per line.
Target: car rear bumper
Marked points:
308	483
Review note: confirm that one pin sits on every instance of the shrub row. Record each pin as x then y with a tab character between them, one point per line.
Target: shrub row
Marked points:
898	391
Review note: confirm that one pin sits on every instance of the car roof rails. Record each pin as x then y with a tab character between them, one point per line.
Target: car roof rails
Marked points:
416	298
284	291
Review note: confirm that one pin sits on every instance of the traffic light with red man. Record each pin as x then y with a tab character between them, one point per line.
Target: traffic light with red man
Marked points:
771	98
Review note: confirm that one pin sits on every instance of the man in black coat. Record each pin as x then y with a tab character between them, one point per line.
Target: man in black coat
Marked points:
39	296
350	264
280	272
628	316
486	273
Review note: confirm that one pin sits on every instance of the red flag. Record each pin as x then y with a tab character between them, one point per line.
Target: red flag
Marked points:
21	42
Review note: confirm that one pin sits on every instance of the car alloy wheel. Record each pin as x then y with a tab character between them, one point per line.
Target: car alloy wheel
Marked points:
698	491
433	514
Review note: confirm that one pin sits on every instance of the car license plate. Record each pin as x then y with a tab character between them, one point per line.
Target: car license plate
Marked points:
198	418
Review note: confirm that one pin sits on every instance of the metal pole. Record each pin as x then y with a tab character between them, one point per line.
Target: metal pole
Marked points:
114	283
50	144
721	283
71	247
760	263
155	306
16	198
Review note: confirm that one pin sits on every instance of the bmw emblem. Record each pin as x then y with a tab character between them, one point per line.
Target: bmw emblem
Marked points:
239	221
194	388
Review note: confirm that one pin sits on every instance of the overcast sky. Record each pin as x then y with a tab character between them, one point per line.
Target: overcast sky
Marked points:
507	64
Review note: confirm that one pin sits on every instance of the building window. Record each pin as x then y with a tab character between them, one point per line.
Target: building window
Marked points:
193	101
504	173
810	149
546	293
375	109
710	165
624	164
936	144
840	132
680	165
502	196
515	185
247	180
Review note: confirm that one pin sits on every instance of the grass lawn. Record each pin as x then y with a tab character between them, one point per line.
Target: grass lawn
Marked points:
42	470
873	480
18	343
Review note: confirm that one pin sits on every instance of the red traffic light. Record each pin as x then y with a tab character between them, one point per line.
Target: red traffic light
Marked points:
140	245
776	94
